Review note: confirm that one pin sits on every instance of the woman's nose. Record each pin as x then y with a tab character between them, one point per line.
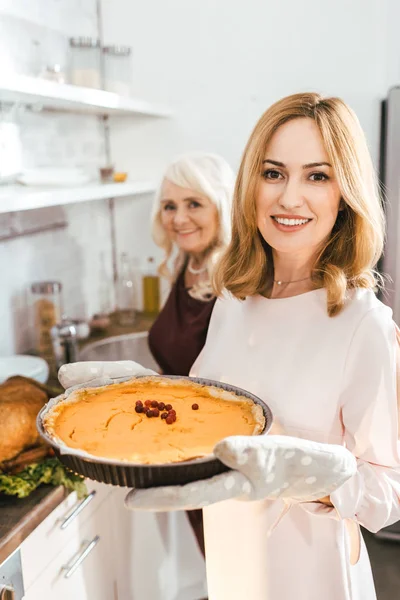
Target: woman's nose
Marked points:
291	196
180	216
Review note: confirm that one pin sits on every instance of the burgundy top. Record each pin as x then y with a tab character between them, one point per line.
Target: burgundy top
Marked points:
180	330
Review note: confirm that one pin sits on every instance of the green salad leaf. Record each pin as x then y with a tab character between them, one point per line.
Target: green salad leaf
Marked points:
50	471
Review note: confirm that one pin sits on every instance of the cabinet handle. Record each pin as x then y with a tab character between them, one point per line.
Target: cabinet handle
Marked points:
71	568
68	520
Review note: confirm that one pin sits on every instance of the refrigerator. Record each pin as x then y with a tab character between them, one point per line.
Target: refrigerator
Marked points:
390	177
390	263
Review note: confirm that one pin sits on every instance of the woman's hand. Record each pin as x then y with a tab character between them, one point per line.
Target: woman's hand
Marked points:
96	373
277	429
262	466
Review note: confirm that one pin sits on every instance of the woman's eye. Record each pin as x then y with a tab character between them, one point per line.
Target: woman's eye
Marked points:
194	204
169	207
272	174
319	177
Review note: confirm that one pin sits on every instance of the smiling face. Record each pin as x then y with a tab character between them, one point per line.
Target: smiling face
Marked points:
190	219
298	198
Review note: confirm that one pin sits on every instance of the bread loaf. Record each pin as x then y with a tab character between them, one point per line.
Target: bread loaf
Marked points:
20	402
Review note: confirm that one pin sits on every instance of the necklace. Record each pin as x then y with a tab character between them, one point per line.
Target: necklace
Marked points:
294	281
194	271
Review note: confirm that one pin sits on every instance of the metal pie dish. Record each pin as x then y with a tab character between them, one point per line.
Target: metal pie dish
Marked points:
128	474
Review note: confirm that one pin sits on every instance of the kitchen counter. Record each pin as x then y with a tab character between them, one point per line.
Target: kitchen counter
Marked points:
143	323
20	516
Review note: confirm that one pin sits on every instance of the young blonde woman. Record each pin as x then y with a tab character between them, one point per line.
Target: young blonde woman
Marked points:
299	325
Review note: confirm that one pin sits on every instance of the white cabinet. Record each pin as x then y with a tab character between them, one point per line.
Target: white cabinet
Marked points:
72	558
98	550
84	569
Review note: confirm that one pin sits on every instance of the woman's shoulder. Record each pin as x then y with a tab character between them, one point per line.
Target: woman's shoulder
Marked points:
368	312
372	337
225	309
364	301
225	302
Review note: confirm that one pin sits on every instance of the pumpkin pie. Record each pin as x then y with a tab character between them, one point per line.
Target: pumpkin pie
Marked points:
152	420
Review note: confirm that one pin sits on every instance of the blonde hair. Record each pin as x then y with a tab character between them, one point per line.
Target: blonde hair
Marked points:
212	177
356	242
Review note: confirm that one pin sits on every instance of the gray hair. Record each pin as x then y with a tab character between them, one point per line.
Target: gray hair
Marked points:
212	177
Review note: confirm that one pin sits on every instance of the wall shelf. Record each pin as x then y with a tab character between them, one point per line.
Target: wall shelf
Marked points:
40	93
17	197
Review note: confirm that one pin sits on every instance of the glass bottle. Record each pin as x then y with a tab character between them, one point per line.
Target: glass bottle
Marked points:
151	288
125	293
104	287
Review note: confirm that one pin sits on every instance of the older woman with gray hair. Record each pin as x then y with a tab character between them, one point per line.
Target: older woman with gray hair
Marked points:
191	222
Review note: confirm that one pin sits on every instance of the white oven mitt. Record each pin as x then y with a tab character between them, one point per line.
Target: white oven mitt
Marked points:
265	466
97	373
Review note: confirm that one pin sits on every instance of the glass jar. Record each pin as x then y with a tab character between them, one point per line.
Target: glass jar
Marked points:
118	69
47	310
85	62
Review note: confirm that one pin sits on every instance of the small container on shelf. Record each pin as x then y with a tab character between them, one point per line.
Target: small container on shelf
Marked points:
120	177
106	173
53	73
151	288
85	58
118	69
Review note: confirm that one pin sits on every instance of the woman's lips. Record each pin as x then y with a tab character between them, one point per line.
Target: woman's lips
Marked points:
290	223
186	233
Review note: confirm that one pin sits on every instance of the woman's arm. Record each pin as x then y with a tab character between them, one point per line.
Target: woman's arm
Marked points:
327	499
370	420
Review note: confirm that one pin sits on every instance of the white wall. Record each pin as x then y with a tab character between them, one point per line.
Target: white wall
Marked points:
219	64
392	63
222	63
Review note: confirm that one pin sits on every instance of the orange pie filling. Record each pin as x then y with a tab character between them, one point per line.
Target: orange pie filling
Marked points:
186	421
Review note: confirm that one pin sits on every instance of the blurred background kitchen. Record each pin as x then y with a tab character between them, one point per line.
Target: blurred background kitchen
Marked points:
96	97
